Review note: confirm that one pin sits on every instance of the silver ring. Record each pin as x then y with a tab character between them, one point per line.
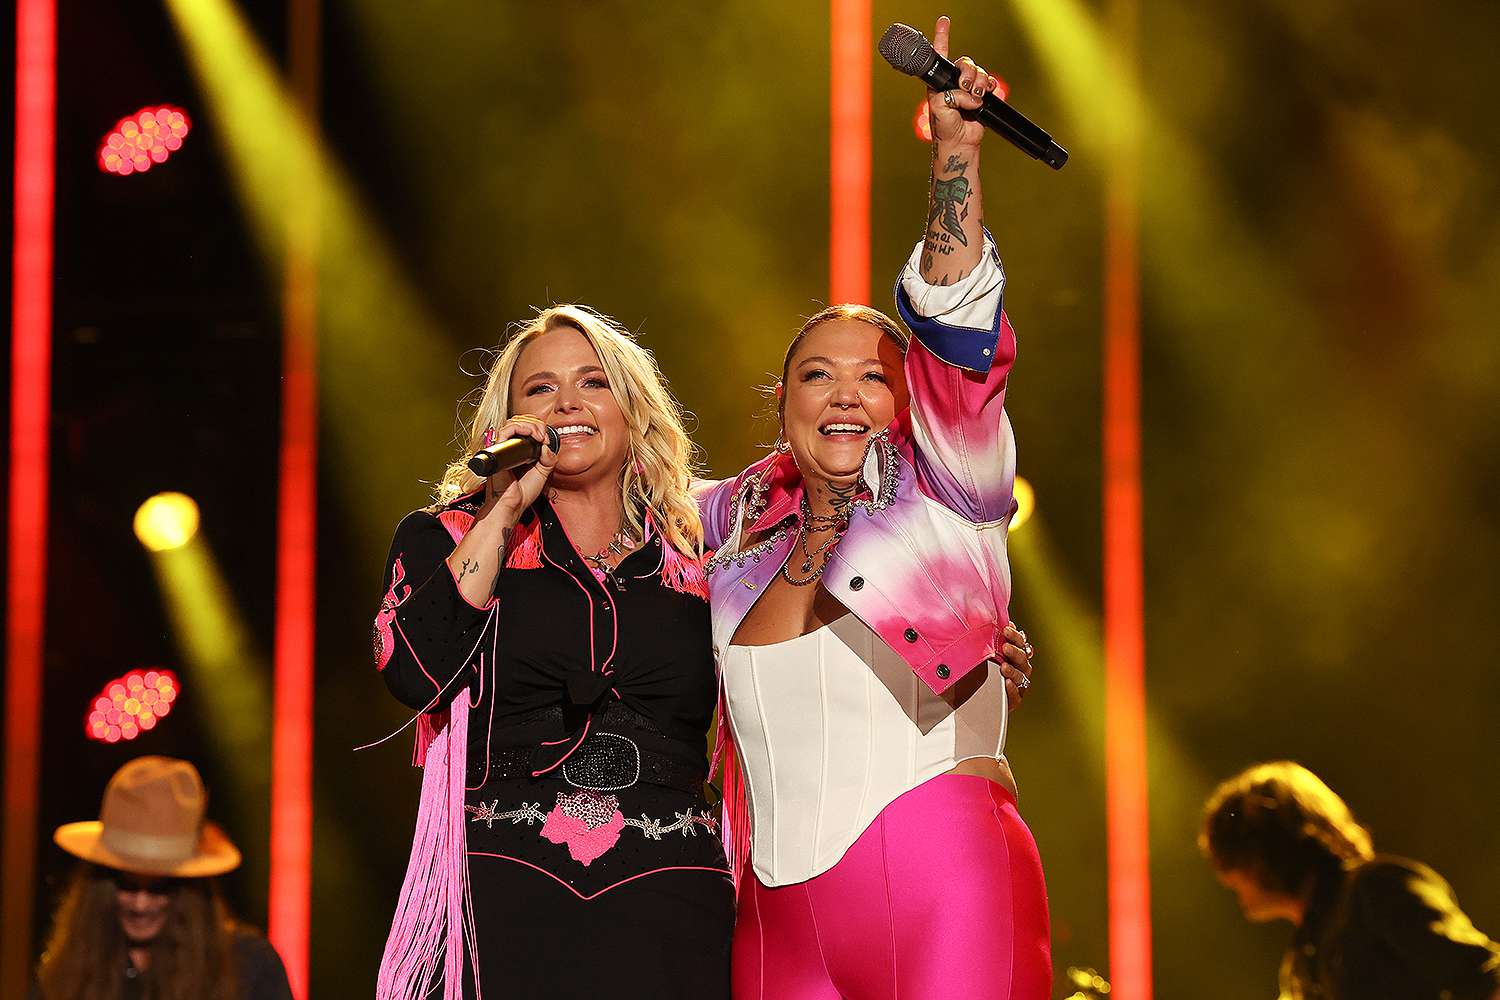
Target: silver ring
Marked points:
1023	683
948	98
1030	649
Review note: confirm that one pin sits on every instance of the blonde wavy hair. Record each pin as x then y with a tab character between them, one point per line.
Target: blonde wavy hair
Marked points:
660	462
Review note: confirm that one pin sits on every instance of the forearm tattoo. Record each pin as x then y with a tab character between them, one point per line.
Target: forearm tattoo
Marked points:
948	209
469	566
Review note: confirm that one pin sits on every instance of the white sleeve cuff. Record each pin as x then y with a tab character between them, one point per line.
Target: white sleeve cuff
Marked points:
973	302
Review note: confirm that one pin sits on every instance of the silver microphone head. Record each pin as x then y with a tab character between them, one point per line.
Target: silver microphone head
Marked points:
907	49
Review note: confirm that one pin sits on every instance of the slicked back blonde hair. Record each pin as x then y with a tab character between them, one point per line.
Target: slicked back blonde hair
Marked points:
659	463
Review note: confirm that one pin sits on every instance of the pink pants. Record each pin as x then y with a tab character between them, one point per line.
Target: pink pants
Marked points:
940	898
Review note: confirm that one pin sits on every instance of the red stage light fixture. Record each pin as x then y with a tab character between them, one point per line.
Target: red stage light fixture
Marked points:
922	125
145	138
131	705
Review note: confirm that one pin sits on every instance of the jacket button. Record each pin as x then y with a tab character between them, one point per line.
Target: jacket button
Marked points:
857	583
911	635
943	671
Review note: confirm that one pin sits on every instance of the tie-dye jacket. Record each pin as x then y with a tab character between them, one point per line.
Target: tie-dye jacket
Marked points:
923	562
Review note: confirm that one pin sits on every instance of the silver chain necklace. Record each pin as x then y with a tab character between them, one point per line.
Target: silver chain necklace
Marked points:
622	542
838	525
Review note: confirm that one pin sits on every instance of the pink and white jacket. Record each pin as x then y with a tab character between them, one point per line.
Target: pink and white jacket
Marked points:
924	561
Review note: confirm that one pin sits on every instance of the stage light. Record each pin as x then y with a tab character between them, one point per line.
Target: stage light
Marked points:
145	138
130	705
166	521
1025	503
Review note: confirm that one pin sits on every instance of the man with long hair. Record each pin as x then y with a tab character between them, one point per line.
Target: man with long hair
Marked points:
142	917
1368	926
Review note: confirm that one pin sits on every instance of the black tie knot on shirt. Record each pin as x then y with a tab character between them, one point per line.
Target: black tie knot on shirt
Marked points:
586	689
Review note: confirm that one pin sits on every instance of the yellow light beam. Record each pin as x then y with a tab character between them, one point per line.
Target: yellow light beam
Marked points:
388	374
226	676
1210	269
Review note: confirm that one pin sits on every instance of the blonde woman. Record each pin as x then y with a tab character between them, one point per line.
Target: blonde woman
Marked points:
553	629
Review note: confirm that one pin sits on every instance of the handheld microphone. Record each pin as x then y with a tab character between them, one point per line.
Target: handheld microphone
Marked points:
505	455
909	51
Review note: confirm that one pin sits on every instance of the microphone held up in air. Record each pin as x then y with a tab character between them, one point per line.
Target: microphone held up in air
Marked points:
909	51
510	453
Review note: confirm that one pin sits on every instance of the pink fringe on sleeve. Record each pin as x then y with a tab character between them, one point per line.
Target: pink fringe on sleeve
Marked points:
434	922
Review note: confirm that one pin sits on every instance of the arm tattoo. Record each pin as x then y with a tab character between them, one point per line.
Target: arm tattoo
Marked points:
948	210
955	165
947	197
467	568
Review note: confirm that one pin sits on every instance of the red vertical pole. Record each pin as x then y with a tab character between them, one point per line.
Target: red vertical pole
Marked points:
1124	571
30	403
296	549
849	152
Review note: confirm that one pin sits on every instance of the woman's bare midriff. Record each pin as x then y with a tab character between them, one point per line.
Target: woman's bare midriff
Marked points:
990	769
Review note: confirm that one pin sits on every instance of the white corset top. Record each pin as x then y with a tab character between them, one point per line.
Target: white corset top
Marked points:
833	726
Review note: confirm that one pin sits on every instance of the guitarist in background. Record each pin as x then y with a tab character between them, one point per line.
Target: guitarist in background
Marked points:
1368	927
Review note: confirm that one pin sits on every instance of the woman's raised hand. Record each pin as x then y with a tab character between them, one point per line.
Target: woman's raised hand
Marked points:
507	493
947	108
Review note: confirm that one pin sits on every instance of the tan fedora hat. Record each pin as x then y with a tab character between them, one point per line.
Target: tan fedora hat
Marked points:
151	823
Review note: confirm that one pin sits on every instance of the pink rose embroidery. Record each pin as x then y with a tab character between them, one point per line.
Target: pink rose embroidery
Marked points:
588	822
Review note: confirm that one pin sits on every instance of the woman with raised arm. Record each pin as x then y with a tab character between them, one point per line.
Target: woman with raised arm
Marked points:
553	629
859	596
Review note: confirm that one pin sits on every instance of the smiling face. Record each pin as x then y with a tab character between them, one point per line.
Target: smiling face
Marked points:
143	906
844	382
558	378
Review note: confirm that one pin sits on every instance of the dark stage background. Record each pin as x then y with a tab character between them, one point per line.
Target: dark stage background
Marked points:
1320	281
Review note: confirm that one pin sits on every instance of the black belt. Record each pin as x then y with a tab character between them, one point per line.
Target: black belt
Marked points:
604	762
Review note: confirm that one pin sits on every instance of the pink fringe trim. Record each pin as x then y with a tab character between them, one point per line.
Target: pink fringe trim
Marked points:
428	728
434	923
457	522
681	573
525	547
734	825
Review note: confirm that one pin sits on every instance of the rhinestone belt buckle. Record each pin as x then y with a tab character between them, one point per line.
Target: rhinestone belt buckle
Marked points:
606	762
